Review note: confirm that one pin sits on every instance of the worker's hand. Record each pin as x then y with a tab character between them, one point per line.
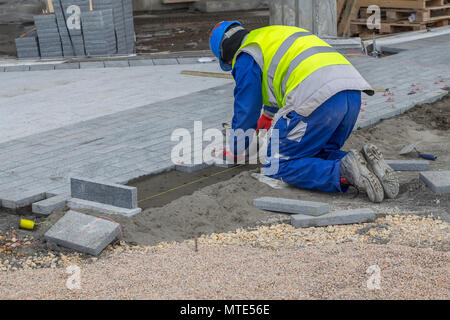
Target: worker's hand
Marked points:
264	123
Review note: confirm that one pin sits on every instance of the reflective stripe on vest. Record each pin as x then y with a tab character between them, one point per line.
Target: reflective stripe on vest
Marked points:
290	55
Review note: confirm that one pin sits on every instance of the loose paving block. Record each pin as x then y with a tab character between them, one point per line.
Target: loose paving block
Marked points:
107	193
83	233
334	218
49	205
20	199
438	181
409	165
79	204
291	206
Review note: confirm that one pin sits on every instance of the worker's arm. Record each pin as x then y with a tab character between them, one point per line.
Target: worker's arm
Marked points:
247	101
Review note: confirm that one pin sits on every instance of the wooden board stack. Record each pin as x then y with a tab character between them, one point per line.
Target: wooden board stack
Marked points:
396	16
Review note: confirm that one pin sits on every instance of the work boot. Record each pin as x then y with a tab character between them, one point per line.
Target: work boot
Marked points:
382	170
355	172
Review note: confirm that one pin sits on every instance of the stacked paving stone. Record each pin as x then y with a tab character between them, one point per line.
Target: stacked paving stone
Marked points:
74	26
99	36
66	41
129	25
27	47
75	30
119	22
48	35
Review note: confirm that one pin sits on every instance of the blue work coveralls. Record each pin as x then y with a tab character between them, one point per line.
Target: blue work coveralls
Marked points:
309	154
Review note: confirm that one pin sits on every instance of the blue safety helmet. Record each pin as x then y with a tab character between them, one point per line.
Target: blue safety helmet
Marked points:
215	41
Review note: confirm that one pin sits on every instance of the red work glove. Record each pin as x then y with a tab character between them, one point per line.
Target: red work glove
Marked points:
264	123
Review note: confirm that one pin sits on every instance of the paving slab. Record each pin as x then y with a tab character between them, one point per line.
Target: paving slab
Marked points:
409	165
438	181
116	64
141	63
104	192
47	206
90	65
18	68
291	206
16	198
333	218
79	204
66	66
42	67
83	233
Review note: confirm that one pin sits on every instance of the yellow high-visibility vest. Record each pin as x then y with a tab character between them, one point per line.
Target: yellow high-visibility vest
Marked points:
289	56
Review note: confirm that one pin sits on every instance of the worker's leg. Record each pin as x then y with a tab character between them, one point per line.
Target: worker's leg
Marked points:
301	140
332	149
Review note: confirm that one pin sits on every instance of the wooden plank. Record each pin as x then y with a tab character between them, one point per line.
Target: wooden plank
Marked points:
406	4
339	6
50	6
350	12
207	74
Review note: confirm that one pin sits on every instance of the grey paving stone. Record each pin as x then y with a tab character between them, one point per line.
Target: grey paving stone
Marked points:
49	205
292	206
93	64
334	218
438	181
141	63
65	66
19	199
83	233
18	68
159	62
117	64
409	165
79	204
42	67
187	60
103	192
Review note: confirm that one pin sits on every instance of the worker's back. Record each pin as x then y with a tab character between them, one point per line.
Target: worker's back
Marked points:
299	69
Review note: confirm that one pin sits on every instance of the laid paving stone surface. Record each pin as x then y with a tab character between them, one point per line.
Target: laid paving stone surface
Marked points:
83	233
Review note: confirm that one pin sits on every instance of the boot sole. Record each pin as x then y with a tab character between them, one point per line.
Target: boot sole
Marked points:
382	170
373	186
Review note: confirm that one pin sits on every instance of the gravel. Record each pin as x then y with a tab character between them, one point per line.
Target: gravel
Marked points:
276	262
241	272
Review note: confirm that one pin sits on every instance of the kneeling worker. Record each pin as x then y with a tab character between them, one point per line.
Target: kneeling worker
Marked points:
312	97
